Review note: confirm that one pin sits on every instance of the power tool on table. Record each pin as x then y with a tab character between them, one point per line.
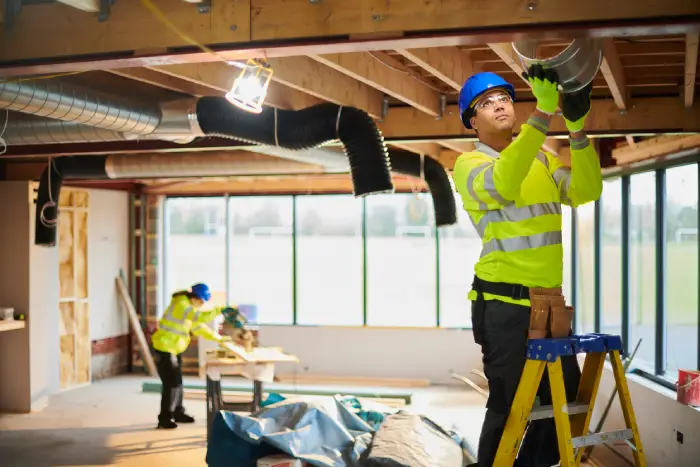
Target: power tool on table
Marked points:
241	332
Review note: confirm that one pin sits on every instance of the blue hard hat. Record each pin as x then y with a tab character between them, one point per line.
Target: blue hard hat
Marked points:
475	87
201	291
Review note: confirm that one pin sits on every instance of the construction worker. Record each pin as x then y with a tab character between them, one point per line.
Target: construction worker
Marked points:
513	191
171	339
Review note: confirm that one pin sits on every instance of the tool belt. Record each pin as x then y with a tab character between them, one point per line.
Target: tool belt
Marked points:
549	314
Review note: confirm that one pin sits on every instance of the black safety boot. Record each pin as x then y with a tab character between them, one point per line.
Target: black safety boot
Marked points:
183	418
167	424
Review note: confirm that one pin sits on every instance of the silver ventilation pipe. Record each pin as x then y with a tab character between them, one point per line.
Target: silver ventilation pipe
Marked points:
81	115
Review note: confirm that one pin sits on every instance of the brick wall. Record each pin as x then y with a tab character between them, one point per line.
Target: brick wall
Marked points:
110	356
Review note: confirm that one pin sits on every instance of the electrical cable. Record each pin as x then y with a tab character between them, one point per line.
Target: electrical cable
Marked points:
49	223
2	133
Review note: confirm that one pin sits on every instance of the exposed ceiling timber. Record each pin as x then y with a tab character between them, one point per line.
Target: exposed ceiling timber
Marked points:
614	75
328	27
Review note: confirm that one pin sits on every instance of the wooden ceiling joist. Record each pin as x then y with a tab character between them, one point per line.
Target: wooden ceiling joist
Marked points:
457	146
166	81
132	36
506	53
428	149
449	64
614	75
649	115
654	148
691	68
219	77
380	71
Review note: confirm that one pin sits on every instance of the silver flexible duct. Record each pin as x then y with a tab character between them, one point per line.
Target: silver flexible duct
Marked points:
70	103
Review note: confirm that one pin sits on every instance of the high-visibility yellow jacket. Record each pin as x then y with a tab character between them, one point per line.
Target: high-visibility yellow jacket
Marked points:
181	318
514	199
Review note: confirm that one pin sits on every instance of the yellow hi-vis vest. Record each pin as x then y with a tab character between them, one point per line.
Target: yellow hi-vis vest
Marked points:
181	318
514	199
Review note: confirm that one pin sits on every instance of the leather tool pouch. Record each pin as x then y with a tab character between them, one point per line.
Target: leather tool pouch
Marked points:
549	315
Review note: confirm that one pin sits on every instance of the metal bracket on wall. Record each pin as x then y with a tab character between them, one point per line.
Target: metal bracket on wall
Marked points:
105	10
385	108
203	6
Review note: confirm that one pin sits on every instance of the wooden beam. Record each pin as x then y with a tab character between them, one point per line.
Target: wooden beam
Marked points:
506	53
430	149
376	69
308	75
611	67
691	68
92	6
630	140
166	81
132	36
649	115
457	146
219	76
448	64
654	148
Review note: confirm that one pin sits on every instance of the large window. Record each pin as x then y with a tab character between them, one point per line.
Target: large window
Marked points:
196	241
682	268
585	277
401	266
642	267
566	244
460	247
261	256
611	257
329	260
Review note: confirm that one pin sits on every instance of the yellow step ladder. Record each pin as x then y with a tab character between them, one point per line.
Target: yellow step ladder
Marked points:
571	419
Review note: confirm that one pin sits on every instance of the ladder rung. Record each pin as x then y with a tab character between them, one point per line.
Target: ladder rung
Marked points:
601	438
545	411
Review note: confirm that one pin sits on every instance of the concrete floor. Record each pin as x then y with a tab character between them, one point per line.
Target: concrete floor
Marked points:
111	422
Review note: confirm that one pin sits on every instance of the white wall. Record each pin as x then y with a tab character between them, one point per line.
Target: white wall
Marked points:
417	353
659	418
108	252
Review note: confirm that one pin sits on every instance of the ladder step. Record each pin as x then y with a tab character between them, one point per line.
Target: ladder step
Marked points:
601	438
545	411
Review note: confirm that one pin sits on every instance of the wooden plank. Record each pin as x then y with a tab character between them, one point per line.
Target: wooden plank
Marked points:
12	325
449	64
430	149
648	115
165	81
612	70
352	381
273	19
309	76
506	53
691	68
219	77
458	146
644	151
136	327
377	70
131	26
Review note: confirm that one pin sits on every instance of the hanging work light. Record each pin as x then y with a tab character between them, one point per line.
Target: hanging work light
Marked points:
250	87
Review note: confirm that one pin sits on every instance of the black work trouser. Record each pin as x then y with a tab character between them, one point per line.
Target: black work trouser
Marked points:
170	371
502	329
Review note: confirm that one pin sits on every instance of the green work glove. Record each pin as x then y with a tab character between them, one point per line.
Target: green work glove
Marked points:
544	83
575	107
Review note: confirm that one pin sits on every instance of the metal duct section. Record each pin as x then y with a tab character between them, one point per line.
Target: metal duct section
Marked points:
205	164
69	103
29	129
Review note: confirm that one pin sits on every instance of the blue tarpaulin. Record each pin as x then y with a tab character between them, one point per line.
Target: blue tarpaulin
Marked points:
325	432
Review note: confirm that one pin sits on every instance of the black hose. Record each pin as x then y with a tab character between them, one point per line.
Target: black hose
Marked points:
435	176
60	168
307	128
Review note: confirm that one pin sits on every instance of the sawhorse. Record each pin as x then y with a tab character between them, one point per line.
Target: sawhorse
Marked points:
572	420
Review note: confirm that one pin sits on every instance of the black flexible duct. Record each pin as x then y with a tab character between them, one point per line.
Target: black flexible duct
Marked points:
435	176
74	167
370	167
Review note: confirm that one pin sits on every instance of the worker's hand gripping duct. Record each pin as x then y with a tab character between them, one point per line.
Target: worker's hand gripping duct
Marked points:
304	129
437	179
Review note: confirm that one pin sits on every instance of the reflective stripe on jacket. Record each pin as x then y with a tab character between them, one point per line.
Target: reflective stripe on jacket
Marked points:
514	199
179	320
